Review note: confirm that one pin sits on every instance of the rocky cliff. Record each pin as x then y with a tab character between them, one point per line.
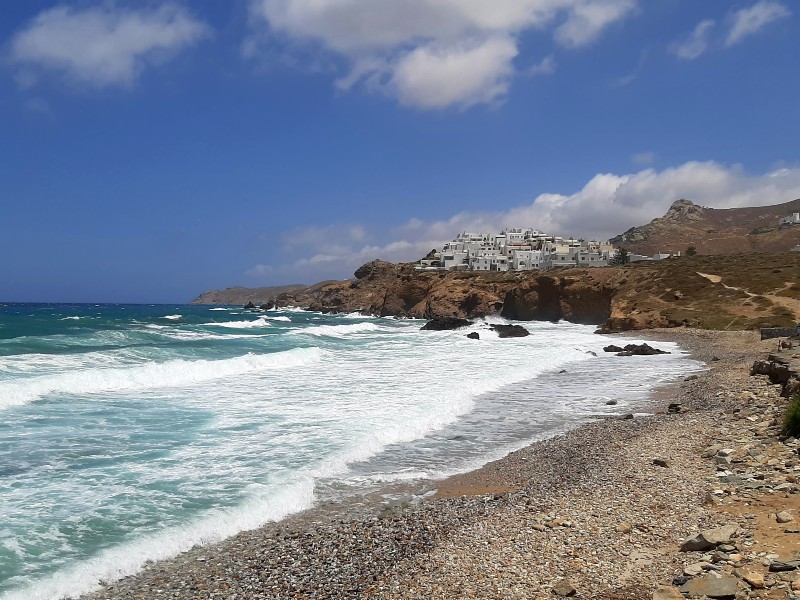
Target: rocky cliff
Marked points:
713	292
714	230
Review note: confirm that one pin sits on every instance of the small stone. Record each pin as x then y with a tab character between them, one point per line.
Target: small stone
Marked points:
564	589
784	517
667	593
754	578
660	462
777	566
796	585
611	403
712	586
624	527
694	569
709	539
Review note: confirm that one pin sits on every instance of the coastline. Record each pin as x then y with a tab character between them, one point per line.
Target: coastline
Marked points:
588	505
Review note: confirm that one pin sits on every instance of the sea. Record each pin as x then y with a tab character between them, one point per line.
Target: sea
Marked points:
131	433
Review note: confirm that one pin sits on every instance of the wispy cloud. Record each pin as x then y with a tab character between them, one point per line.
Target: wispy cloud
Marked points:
547	66
432	55
644	158
605	206
695	44
101	46
749	21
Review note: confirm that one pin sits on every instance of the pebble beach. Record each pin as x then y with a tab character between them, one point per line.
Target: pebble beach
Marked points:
599	512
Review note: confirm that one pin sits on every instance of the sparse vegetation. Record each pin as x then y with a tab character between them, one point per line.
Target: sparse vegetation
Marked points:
691	251
791	420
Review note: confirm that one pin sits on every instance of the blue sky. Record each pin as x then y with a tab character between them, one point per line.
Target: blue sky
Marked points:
152	150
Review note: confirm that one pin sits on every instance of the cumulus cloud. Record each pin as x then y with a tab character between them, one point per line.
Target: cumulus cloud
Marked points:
748	21
605	206
101	46
694	45
432	54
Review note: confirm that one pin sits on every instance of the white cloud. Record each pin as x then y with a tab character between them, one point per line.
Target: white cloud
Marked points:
587	20
605	206
749	21
547	66
102	46
694	45
418	50
434	77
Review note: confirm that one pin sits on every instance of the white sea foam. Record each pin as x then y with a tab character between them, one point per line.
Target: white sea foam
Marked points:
169	374
239	324
337	330
217	308
71	318
172	317
212	526
280	318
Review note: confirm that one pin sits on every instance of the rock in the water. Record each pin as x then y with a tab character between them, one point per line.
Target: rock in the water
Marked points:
712	586
268	305
784	517
667	593
612	348
708	539
507	331
445	323
474	335
611	402
690	378
564	589
640	350
627	417
250	305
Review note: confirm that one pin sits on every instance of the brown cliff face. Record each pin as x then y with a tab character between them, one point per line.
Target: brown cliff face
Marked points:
712	292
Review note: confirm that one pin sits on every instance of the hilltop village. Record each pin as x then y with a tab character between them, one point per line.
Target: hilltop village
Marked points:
525	250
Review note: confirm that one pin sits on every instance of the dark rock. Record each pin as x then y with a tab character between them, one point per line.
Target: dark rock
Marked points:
474	335
690	378
660	462
709	539
250	305
674	407
777	566
627	417
268	305
507	331
714	358
679	581
612	348
562	371
445	323
768	333
611	402
640	350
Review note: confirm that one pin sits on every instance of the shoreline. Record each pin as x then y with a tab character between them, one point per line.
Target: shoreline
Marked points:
430	549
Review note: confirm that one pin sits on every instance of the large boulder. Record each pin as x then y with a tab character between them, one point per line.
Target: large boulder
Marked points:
708	539
445	324
712	586
640	350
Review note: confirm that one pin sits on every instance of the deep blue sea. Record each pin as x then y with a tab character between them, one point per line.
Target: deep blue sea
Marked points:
131	433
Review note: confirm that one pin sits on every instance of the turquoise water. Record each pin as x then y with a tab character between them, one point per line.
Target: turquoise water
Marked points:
131	433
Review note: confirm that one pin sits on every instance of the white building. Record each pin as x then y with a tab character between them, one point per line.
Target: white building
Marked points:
792	219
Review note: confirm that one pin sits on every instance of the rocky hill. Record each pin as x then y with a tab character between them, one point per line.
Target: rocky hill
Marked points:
742	291
242	295
714	230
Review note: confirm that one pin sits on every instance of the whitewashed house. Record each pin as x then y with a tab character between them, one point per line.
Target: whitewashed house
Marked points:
792	219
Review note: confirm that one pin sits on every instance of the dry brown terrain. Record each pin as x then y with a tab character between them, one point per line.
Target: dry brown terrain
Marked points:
714	230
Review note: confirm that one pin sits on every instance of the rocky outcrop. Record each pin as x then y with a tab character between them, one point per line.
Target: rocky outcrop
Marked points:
241	295
509	331
638	296
445	324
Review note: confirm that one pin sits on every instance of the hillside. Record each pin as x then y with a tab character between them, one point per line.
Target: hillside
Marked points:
242	295
714	230
742	291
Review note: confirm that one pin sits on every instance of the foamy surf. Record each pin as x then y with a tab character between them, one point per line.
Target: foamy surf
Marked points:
170	374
